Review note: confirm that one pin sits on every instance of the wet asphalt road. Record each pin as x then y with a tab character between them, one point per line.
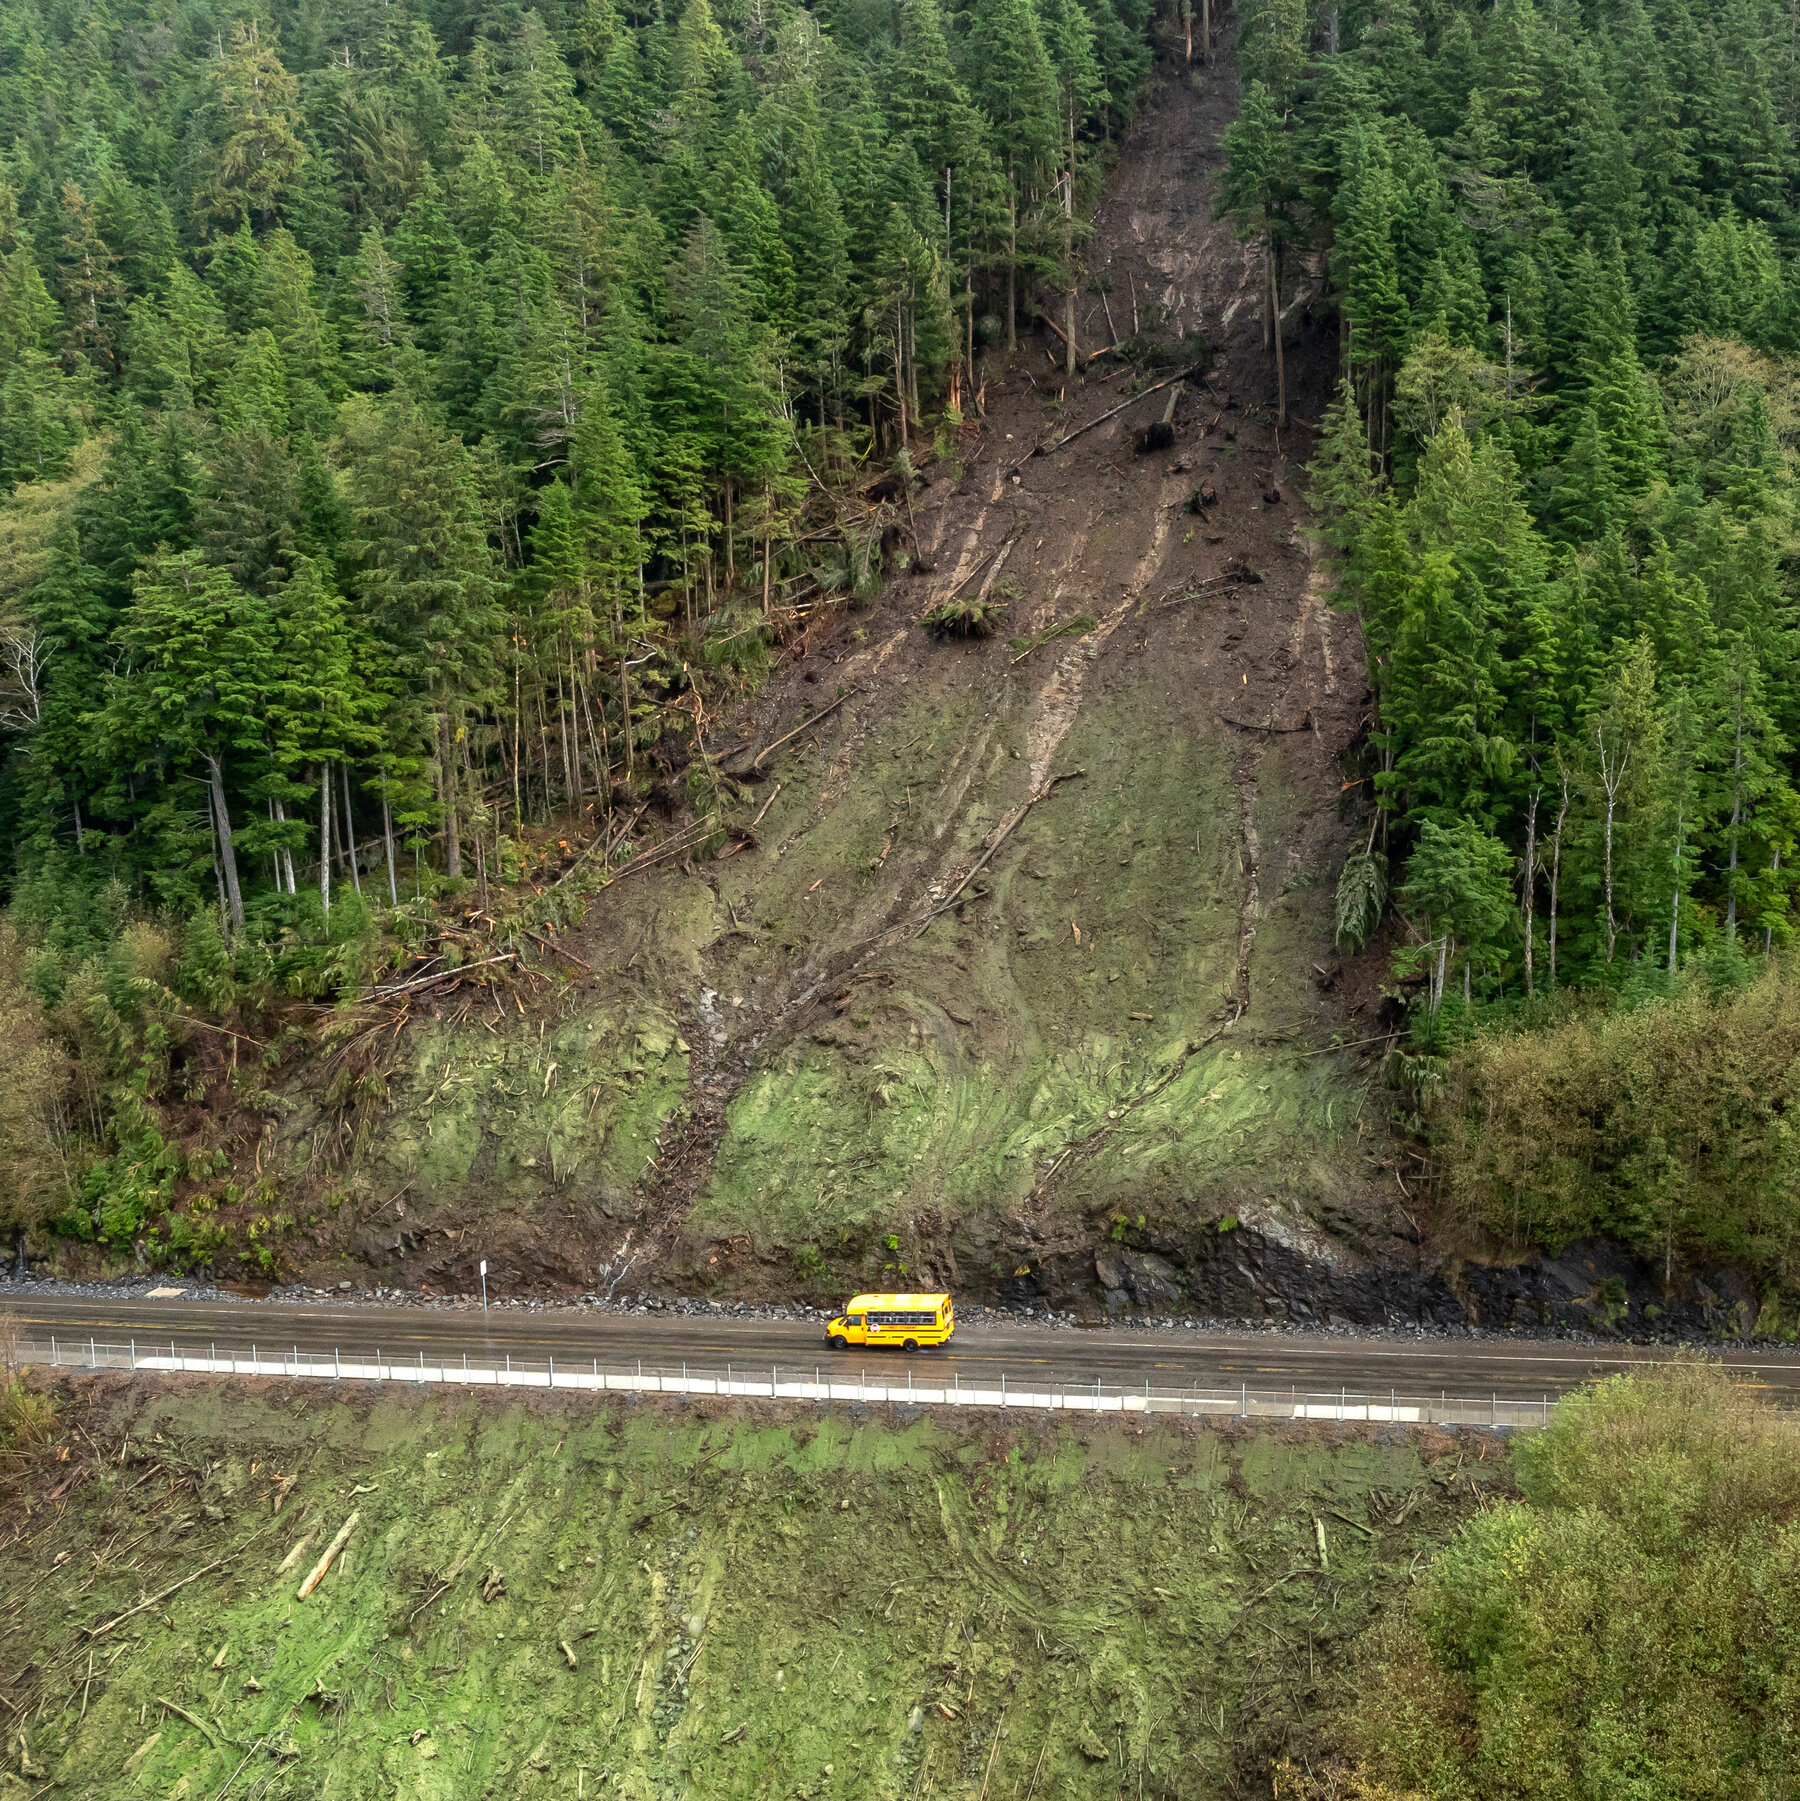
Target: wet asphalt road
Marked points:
1517	1368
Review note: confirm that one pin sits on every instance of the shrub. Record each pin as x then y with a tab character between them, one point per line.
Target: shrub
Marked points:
1629	1626
969	615
1665	1125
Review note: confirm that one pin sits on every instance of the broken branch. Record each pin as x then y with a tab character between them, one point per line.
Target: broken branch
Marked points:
1045	450
557	948
805	726
331	1551
193	1719
158	1598
998	839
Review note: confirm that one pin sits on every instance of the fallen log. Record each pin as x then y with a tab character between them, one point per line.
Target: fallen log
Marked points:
325	1562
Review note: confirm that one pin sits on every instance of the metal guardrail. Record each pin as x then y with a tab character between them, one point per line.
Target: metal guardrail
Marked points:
738	1383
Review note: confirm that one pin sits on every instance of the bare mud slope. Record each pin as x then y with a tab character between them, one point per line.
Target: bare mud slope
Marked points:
1030	956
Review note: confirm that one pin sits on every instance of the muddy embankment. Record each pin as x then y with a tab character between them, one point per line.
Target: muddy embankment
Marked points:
1028	940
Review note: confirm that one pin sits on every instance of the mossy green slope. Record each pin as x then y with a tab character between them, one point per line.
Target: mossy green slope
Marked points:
657	1604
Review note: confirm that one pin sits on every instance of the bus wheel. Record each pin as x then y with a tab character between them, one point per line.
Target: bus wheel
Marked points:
835	1340
912	1344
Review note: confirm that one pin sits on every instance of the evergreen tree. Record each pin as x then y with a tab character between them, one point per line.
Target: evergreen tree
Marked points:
188	697
428	588
262	150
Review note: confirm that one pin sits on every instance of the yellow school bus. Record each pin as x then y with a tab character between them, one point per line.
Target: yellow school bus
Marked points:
905	1321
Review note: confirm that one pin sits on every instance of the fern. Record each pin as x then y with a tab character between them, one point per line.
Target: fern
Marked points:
973	617
1361	895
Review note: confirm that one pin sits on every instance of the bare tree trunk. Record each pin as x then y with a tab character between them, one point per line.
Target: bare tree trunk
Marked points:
284	857
1530	894
1280	362
1206	32
1612	928
562	727
900	368
387	825
1612	780
1012	263
596	743
518	797
1070	360
80	840
969	324
537	700
452	824
350	831
234	897
1769	931
1562	812
575	720
912	360
325	837
625	712
1737	817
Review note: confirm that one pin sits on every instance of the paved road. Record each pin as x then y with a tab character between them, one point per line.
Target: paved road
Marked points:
1509	1368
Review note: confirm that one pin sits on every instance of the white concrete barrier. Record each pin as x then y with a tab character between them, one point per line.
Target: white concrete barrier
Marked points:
821	1387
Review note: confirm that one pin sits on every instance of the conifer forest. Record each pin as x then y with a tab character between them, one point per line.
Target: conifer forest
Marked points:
455	455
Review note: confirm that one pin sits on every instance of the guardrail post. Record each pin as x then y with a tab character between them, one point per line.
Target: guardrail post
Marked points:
1244	1403
773	1384
1493	1410
93	1355
337	1367
552	1381
56	1356
1003	1388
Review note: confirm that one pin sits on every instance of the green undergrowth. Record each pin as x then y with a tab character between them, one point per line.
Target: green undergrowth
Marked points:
523	1110
659	1603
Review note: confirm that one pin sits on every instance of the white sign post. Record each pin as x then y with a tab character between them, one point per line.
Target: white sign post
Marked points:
484	1285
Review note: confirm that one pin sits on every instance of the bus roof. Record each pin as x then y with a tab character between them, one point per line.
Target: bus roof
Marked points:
881	1303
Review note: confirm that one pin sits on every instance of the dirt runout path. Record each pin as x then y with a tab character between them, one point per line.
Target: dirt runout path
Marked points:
1015	910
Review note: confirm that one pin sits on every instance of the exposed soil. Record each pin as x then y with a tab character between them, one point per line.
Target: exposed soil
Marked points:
1215	617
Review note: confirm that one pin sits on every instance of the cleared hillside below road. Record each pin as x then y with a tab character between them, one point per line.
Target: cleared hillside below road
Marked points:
1518	1369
